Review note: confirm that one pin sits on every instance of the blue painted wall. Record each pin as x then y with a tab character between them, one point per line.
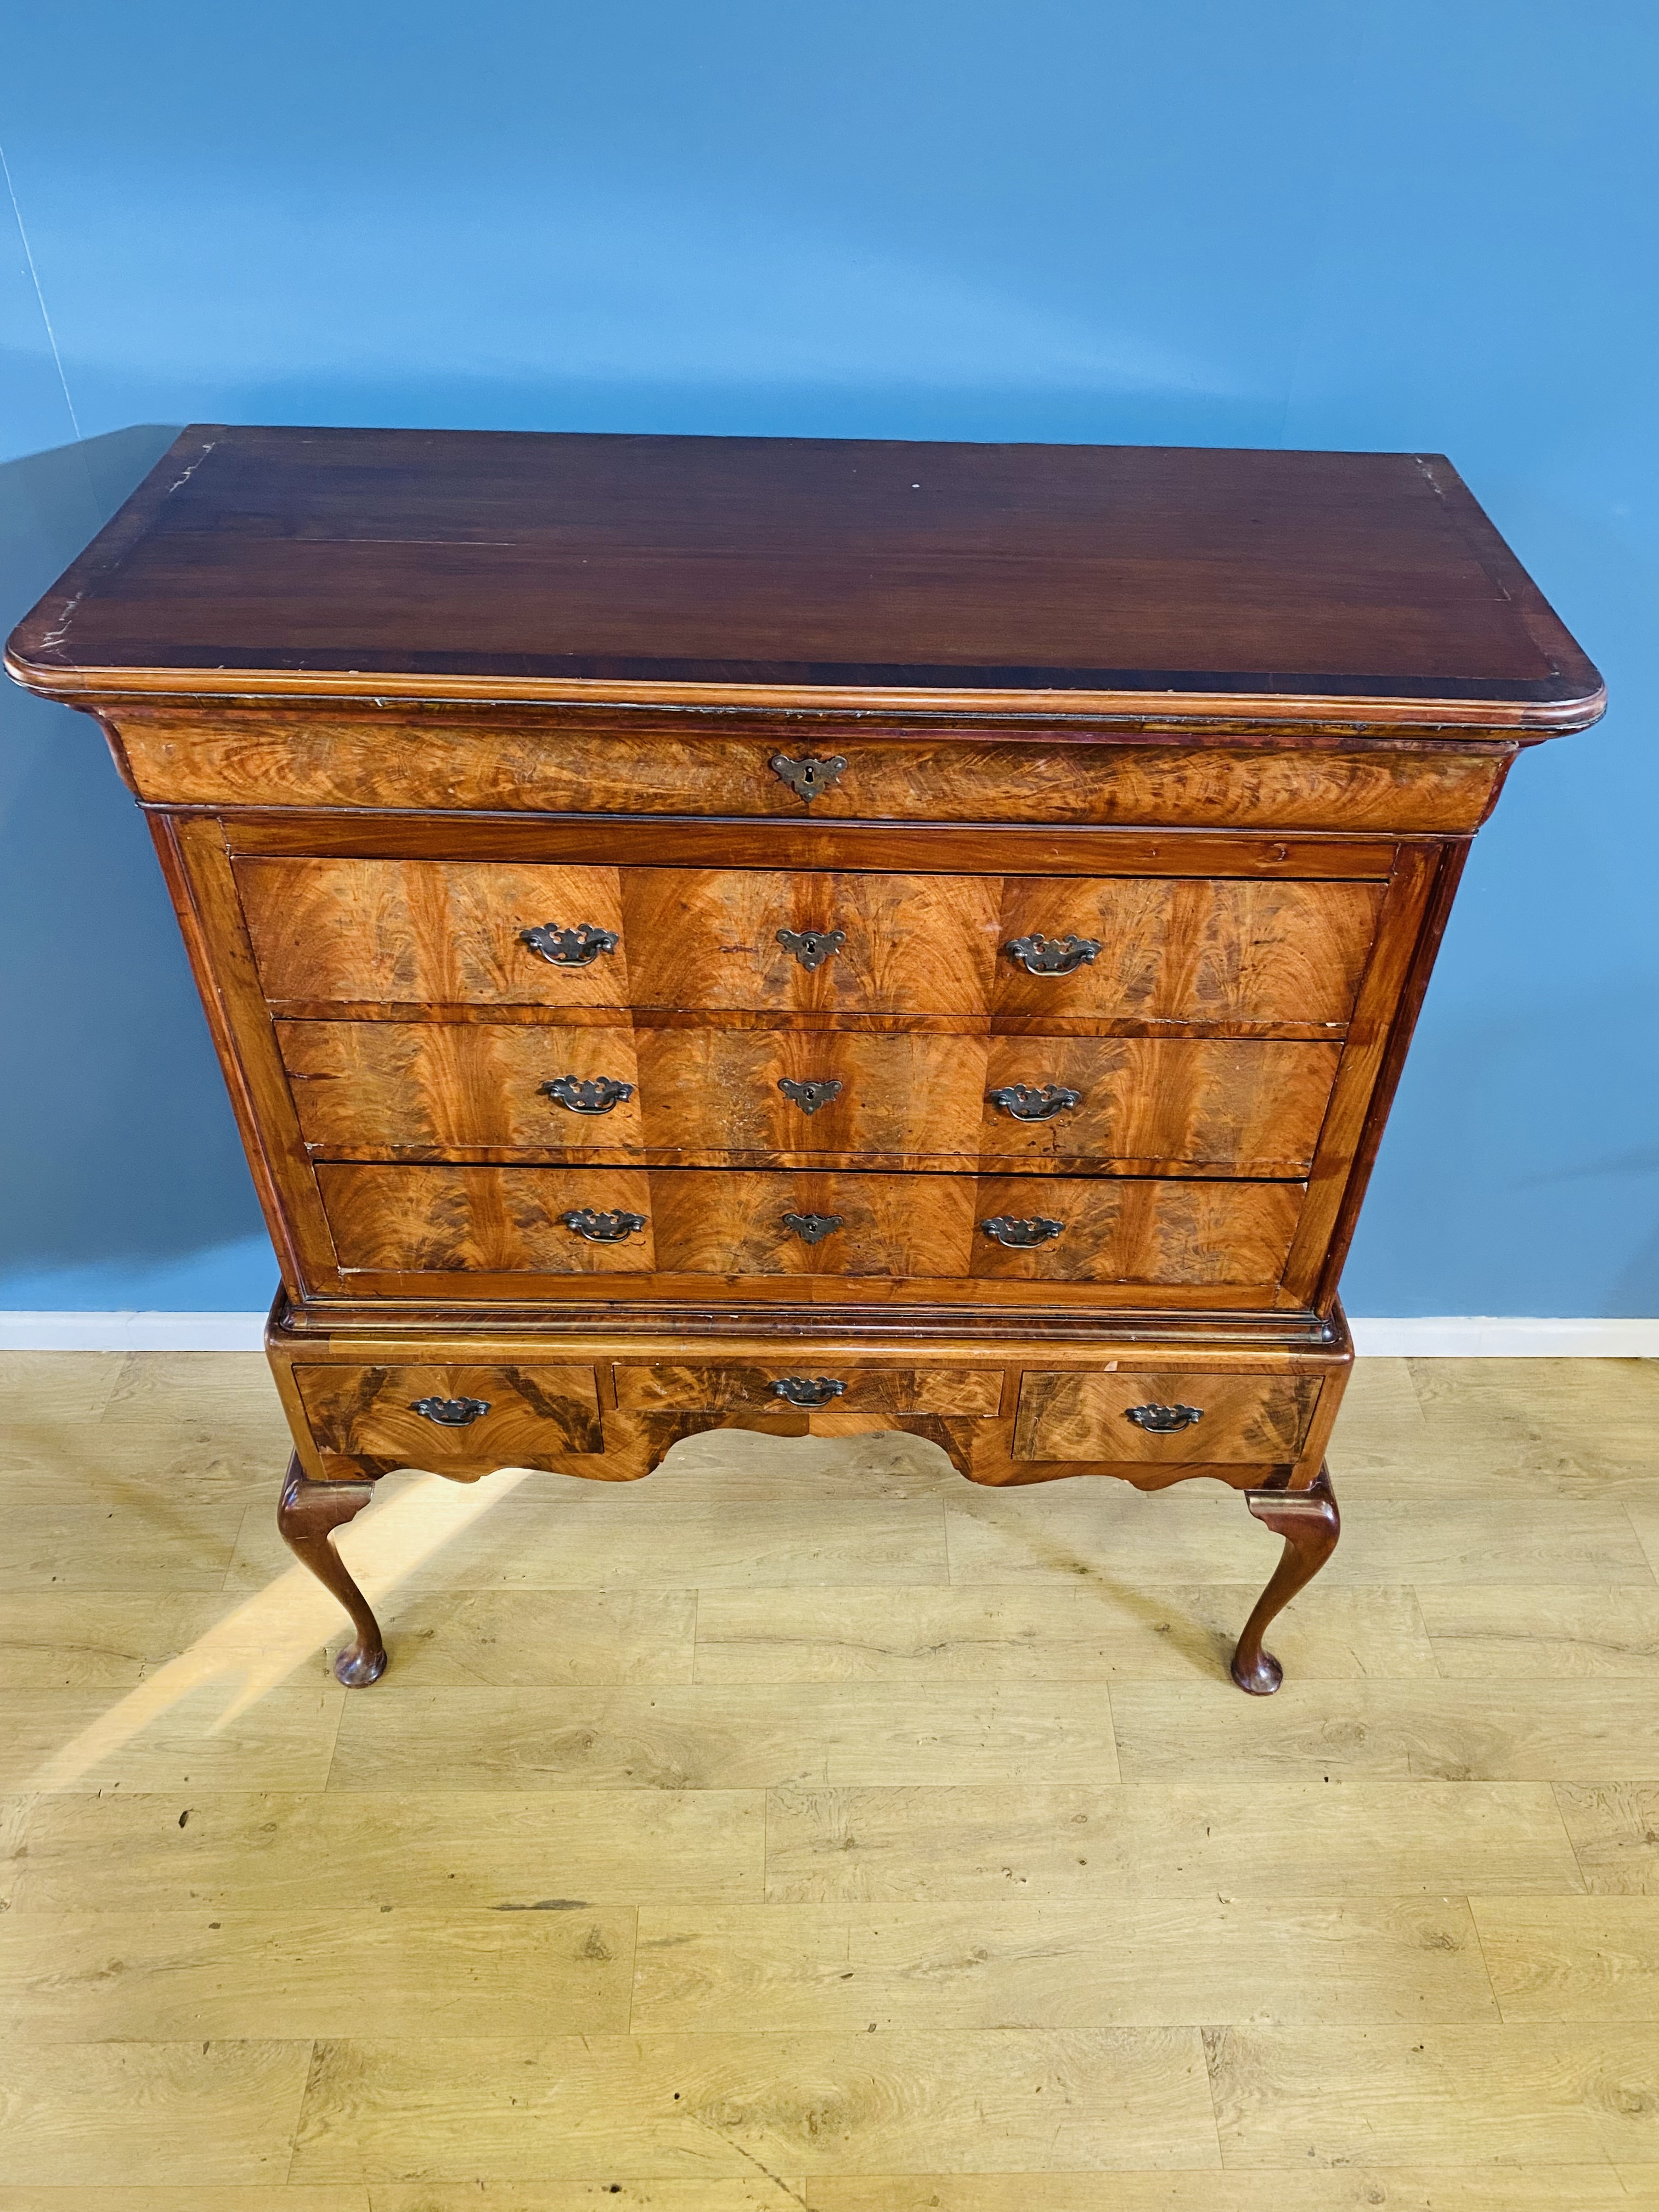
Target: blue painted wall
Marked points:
1389	223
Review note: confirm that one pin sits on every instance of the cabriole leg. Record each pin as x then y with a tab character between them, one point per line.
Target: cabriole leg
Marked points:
305	1513
1309	1523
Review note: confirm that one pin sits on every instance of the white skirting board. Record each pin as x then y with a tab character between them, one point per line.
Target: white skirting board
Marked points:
1445	1336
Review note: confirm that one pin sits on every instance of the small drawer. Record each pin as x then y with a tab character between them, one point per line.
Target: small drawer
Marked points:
487	1220
850	1225
1178	1418
1228	1106
226	756
363	1090
445	1418
793	1091
967	1390
440	932
760	939
1119	1228
1153	948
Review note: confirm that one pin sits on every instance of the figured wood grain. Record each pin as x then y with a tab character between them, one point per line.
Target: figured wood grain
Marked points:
368	1414
413	929
1079	1416
1155	1105
365	1090
1139	1232
891	1225
1192	950
717	1089
493	1221
880	1389
484	1219
927	943
371	1090
562	764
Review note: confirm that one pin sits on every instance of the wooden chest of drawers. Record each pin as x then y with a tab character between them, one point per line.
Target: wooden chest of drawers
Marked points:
807	936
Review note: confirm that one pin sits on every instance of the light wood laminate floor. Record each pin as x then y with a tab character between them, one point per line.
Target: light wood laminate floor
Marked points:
804	1827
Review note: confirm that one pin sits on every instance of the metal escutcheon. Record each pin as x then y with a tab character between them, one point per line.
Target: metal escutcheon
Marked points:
570	948
1026	1104
1052	956
808	777
813	1228
807	1390
589	1094
809	1096
812	947
602	1228
1162	1420
1022	1234
450	1413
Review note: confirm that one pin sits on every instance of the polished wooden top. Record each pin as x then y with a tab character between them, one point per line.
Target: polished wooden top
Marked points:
1003	580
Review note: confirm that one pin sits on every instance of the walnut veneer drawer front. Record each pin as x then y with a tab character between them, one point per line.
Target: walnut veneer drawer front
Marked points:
439	1417
317	759
1240	1106
1209	1418
411	932
363	1090
448	933
808	940
1194	950
558	1221
1140	1105
840	1385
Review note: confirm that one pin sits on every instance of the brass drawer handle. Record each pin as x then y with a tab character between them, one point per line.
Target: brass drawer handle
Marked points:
812	947
1052	956
450	1413
1022	1234
1028	1104
813	1228
588	1094
809	1096
602	1228
807	1390
807	777
1162	1420
570	948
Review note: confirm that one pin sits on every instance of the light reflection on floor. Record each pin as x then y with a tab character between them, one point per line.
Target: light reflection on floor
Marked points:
274	1632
